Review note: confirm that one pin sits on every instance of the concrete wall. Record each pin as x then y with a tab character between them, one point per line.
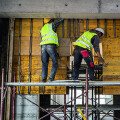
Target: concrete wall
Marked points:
60	8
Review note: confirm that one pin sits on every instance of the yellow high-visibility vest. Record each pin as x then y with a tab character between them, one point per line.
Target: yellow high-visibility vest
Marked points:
48	35
84	40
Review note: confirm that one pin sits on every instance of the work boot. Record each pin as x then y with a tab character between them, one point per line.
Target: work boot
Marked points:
91	80
50	80
44	80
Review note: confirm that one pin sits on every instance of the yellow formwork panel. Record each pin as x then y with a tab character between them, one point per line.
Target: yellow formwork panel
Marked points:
76	27
111	53
60	30
117	26
102	25
92	24
25	46
111	90
111	47
16	46
66	28
110	29
36	48
71	28
17	27
81	27
26	24
37	25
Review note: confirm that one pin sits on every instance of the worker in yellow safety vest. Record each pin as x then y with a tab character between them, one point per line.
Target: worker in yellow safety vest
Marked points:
49	43
83	47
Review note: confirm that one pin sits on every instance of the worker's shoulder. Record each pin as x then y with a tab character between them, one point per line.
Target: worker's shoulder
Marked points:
93	31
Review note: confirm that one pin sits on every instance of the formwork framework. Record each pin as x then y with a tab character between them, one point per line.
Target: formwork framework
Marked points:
73	84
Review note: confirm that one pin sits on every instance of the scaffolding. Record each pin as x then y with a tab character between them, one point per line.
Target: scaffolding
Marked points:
73	84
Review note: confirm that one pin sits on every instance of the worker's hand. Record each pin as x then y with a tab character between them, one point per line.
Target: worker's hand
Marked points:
105	64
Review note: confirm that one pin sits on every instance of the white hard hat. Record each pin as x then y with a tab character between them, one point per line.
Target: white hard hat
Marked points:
100	30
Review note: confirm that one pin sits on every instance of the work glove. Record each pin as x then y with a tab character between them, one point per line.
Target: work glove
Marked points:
103	62
106	64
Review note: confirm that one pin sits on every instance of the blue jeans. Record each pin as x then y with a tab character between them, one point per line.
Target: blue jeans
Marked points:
46	52
79	54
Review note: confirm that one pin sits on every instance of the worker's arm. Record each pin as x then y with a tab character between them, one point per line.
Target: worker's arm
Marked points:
56	23
100	57
95	42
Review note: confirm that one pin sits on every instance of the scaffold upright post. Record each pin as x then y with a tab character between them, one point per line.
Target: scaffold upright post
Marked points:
71	102
2	93
64	106
74	103
86	94
14	99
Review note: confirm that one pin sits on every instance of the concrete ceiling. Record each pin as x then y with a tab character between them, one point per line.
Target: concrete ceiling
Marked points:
82	9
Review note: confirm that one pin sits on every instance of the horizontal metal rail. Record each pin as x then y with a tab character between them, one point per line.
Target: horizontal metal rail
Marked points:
91	83
90	107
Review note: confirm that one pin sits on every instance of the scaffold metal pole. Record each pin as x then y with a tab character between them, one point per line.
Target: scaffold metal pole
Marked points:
74	103
64	106
86	94
13	95
91	83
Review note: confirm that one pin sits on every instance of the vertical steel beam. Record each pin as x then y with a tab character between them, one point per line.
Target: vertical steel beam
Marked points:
74	27
86	94
78	28
97	23
2	93
74	103
63	29
114	28
87	25
20	28
64	106
69	21
10	68
30	53
105	28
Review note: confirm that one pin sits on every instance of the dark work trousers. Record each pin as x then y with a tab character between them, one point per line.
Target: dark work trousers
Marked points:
46	52
79	54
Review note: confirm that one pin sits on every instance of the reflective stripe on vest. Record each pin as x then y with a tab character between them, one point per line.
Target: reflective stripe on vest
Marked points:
49	34
50	37
83	43
85	40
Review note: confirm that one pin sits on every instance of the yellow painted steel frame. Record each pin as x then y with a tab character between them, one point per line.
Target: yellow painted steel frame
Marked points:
79	110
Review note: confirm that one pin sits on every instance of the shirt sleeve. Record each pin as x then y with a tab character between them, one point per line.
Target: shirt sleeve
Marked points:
95	41
56	23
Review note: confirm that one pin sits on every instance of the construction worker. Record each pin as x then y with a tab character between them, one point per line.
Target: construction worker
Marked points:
49	43
83	47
